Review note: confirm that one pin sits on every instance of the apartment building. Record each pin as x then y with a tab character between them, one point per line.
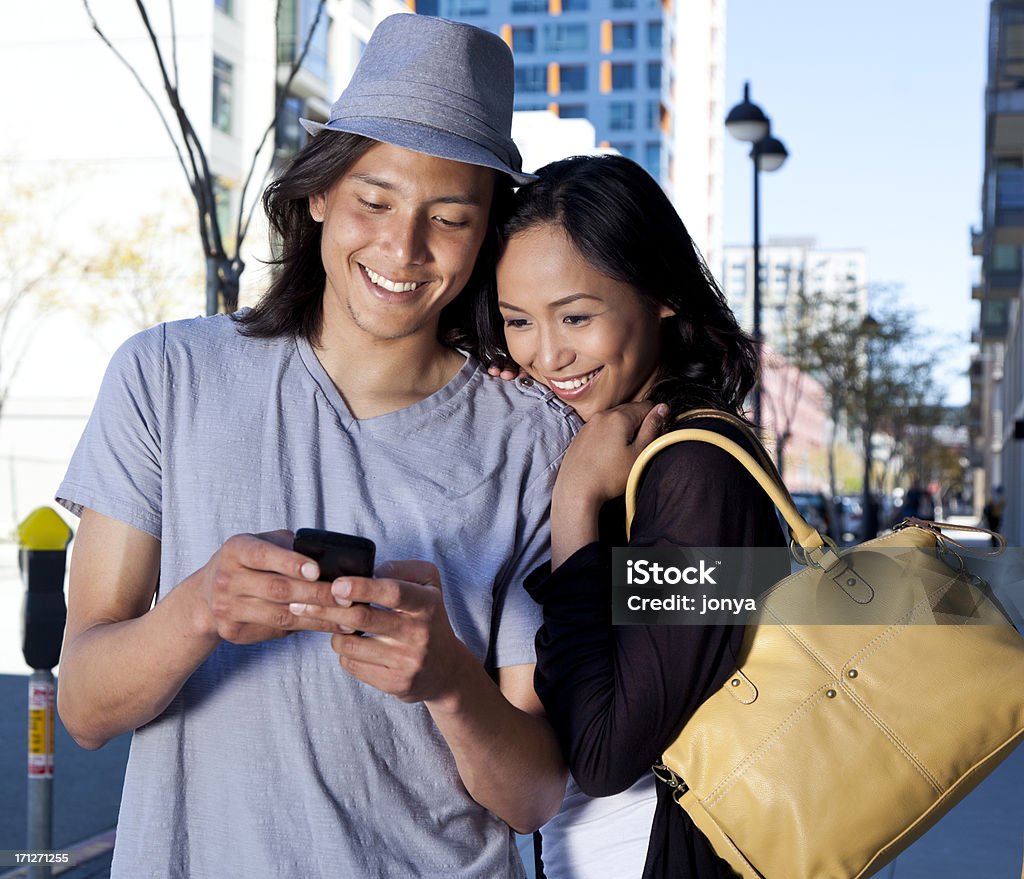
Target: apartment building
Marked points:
646	73
996	411
791	268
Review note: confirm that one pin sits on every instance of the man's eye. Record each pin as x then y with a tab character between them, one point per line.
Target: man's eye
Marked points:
373	206
450	224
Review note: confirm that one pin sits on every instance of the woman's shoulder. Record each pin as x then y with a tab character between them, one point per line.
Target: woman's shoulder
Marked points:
701	460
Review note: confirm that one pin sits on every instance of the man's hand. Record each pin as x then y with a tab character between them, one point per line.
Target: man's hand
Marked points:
249	583
414	655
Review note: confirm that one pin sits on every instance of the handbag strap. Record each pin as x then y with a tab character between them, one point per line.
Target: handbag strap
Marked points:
808	538
759	451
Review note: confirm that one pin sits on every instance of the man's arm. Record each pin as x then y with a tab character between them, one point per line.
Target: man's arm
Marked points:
123	661
505	751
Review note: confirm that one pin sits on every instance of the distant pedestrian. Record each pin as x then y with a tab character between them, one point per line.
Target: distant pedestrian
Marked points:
993	511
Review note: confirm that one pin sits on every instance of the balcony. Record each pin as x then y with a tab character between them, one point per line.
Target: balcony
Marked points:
995	319
1006	120
1009	206
977	242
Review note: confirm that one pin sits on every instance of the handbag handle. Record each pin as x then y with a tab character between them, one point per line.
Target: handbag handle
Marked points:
804	534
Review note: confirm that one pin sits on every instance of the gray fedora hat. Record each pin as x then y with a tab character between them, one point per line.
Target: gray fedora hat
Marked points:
433	86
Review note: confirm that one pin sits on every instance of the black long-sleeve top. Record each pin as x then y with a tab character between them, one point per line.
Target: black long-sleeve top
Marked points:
618	695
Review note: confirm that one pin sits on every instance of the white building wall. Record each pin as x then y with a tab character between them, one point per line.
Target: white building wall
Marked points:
696	102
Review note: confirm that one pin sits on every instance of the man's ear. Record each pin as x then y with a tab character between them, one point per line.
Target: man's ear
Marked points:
317	206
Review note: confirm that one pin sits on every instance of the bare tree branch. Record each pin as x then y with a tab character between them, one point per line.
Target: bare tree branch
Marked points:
243	228
135	75
174	42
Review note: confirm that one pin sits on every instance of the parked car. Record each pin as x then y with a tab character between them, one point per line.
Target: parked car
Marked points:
850	515
814	507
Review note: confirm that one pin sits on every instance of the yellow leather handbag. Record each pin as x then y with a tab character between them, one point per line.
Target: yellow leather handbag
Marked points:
833	747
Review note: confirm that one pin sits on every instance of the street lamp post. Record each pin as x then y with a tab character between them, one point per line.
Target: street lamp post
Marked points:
747	122
869	328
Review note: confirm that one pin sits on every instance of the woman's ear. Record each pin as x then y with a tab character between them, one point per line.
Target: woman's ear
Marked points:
665	311
317	204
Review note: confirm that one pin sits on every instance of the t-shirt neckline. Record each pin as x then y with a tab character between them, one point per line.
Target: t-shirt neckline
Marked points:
319	375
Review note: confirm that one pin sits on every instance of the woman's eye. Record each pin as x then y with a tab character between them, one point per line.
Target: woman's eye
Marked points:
516	323
575	320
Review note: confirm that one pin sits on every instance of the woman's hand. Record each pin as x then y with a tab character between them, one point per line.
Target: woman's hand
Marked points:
595	469
508	373
597	464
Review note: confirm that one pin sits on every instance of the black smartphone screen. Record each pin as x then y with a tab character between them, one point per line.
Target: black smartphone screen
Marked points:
336	554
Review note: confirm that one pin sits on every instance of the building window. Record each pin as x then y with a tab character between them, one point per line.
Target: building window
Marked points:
620	115
624	35
575	5
297	17
532	78
653	115
573	78
565	37
652	158
225	6
222	77
626	149
289	136
529	5
655	34
1006	257
572	111
623	77
222	206
654	75
524	39
469	7
623	4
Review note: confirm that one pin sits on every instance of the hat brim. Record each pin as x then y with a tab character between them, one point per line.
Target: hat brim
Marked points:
420	139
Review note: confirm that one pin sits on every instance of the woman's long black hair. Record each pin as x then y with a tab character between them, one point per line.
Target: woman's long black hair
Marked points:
293	304
622	223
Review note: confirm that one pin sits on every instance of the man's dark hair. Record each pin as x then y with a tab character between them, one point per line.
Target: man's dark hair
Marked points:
293	305
622	223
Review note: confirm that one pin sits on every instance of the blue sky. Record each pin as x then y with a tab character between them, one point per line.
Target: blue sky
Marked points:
881	106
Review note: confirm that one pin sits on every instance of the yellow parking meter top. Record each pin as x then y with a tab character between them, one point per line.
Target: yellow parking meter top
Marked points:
43	528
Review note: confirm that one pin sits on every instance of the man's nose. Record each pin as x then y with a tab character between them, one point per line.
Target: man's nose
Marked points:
407	240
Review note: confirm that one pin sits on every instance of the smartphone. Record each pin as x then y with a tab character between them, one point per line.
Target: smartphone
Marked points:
336	554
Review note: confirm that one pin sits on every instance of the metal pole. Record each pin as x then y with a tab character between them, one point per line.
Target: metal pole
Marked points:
40	768
757	281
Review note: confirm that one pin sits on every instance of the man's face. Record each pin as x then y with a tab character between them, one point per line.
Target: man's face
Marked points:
401	234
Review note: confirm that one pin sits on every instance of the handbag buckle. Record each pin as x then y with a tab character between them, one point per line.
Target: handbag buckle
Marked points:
663	773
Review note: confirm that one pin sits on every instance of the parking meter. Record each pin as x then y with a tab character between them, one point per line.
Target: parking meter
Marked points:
43	539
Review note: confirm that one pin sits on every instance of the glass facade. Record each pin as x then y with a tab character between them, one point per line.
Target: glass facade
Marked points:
223	98
602	60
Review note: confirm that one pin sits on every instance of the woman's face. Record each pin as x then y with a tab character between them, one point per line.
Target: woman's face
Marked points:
591	339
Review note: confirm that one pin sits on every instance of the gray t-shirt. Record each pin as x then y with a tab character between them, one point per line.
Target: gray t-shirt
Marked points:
272	761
